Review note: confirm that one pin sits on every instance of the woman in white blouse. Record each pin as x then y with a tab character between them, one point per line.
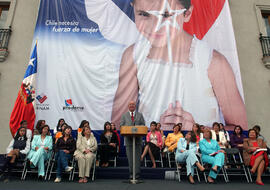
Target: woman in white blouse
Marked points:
219	135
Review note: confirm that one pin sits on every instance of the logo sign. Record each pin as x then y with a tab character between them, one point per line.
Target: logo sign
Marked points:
40	104
68	102
41	98
70	107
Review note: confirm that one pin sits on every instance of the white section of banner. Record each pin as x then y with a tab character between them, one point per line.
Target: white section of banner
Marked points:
86	75
221	37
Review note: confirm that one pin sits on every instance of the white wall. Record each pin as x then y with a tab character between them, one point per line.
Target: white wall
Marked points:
255	76
12	70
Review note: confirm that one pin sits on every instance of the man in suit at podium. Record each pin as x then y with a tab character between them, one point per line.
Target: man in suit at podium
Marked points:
132	118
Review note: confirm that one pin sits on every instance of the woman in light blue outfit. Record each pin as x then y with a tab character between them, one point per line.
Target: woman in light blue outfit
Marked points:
211	154
40	150
186	152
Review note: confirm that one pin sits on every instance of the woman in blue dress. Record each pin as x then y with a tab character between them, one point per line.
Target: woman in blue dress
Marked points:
40	150
211	154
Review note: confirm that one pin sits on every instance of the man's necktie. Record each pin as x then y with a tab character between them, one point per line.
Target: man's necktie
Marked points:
132	117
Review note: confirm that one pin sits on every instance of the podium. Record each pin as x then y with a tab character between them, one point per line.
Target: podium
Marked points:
133	131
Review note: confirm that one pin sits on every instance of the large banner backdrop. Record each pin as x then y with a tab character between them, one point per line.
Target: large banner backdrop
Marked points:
177	59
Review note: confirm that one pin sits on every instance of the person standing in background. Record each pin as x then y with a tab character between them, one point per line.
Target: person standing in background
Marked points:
132	118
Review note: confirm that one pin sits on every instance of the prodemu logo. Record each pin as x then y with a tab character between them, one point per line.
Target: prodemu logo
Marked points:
70	107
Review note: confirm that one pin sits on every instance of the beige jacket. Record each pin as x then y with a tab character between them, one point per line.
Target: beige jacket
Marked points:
82	145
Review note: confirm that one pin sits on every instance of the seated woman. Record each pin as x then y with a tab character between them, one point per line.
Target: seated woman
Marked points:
85	153
17	149
257	128
84	123
108	145
186	152
219	136
39	126
40	150
118	137
199	134
153	144
59	134
58	127
258	160
24	124
64	148
211	154
237	138
226	133
173	138
158	128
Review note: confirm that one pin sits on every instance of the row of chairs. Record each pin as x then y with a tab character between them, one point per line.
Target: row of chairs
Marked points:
50	168
234	166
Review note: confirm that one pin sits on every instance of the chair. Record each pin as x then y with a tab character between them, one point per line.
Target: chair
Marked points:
235	164
52	165
20	165
113	158
265	174
157	160
207	170
171	158
75	169
35	170
182	165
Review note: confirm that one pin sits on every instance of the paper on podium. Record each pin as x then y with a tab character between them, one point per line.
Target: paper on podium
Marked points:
134	130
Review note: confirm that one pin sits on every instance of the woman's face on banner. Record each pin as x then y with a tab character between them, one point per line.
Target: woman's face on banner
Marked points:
147	23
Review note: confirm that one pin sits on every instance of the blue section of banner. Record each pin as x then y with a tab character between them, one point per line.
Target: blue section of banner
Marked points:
66	18
32	67
126	7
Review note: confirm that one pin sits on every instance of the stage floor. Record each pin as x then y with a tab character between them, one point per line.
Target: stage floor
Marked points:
121	185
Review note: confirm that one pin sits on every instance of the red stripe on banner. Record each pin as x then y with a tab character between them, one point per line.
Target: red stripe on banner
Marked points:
205	13
22	111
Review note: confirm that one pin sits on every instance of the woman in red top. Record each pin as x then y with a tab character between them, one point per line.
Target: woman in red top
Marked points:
258	160
153	145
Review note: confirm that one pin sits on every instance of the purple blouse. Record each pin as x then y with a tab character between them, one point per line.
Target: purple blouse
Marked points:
235	140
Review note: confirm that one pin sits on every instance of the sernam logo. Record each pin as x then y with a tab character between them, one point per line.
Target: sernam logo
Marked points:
41	98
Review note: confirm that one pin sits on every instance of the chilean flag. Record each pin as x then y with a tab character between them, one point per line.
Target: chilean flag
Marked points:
24	108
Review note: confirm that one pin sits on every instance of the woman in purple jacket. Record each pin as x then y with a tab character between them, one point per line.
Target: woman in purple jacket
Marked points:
237	138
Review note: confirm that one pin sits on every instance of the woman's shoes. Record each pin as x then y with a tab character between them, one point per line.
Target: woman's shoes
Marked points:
68	169
41	178
191	180
57	180
259	183
210	180
81	180
85	180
